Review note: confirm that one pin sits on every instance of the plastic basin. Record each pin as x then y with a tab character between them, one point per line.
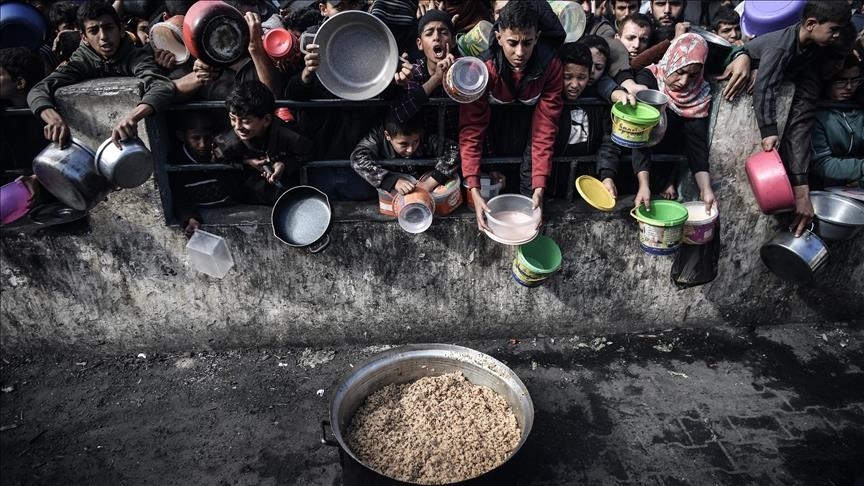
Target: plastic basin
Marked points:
209	254
512	216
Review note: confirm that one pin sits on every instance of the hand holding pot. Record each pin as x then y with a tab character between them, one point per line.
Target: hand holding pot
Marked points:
404	186
803	210
770	143
312	62
165	59
55	129
643	197
255	32
404	75
737	72
609	184
480	209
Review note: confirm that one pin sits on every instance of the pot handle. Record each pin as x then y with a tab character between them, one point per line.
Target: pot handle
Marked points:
635	215
304	42
324	440
319	245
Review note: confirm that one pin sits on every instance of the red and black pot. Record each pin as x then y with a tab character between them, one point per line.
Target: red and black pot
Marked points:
216	33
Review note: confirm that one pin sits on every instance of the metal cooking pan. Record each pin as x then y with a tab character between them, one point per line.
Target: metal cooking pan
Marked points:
718	49
301	218
358	55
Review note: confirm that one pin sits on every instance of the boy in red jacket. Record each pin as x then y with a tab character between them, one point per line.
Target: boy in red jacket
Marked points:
523	69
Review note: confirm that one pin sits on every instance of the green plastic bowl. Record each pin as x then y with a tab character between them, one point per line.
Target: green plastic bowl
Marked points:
663	213
541	256
641	114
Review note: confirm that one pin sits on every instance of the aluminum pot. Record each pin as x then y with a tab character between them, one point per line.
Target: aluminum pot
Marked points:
837	217
70	175
126	167
409	363
795	259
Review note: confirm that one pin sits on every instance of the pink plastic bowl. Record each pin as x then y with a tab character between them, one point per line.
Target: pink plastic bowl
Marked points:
769	182
14	199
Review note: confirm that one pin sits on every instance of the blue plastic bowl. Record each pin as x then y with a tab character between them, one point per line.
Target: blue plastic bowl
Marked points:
21	26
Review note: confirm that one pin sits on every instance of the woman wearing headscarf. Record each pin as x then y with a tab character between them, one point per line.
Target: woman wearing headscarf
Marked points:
679	75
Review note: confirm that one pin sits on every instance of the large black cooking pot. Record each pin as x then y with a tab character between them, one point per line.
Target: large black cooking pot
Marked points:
301	218
70	175
216	33
409	363
718	49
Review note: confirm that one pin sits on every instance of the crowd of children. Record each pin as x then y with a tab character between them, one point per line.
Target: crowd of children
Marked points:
531	108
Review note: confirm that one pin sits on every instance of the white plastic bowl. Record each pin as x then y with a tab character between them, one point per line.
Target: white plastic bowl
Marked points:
512	216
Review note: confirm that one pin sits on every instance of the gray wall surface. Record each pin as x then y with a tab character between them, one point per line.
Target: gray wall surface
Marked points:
123	282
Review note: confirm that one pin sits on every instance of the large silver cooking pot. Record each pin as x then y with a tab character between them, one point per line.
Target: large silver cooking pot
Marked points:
837	217
795	259
409	363
358	55
70	175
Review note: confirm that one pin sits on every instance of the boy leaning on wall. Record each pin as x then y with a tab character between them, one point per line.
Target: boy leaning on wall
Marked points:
105	51
395	140
268	147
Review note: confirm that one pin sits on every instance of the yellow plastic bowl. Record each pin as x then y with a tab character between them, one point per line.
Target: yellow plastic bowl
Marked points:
594	193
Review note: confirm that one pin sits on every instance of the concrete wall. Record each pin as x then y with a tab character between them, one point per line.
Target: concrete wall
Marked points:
123	281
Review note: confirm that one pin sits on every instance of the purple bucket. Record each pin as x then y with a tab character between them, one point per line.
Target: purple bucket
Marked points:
14	199
764	16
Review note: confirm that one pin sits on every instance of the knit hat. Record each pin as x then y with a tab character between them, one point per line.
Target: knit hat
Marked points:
435	15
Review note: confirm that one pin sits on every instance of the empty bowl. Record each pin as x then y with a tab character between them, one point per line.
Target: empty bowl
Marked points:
513	217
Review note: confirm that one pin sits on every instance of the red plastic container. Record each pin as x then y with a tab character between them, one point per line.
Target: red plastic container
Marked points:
283	45
769	182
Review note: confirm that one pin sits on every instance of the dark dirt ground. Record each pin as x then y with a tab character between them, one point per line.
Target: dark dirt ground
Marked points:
779	405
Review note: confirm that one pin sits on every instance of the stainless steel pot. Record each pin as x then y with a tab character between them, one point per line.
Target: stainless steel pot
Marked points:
128	167
837	217
409	363
795	259
70	175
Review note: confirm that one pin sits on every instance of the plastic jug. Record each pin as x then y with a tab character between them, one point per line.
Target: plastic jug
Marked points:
209	253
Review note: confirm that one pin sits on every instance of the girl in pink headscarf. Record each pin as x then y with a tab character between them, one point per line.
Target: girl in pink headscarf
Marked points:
679	75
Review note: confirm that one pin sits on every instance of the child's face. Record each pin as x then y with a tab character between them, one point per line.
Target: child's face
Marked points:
434	41
576	78
823	33
250	126
730	32
102	35
8	88
199	142
403	145
843	86
598	69
142	31
518	45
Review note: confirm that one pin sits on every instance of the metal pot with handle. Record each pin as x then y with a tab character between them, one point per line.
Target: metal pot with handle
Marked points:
126	167
301	218
70	175
795	259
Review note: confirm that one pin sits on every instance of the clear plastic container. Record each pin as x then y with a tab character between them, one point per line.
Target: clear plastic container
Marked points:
209	253
512	216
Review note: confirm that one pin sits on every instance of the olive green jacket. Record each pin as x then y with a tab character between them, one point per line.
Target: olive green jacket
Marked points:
86	64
